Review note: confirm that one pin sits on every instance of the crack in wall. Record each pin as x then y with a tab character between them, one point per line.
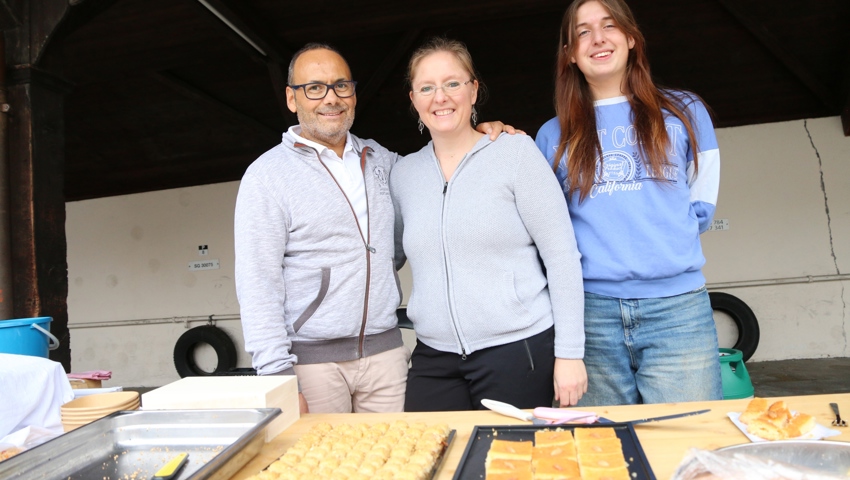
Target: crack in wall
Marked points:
829	230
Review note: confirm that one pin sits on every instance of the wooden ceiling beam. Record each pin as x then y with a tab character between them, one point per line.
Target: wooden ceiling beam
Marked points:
194	93
278	75
184	172
387	66
274	55
9	16
237	15
401	17
769	41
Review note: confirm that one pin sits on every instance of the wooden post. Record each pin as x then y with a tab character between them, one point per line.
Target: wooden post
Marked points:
6	306
36	162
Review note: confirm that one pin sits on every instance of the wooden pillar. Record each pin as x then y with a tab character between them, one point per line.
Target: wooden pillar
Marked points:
37	165
6	306
36	157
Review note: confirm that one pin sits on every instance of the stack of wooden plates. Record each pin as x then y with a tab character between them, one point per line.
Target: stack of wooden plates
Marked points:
84	410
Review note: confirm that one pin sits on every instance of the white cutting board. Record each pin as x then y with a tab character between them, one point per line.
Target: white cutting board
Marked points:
268	391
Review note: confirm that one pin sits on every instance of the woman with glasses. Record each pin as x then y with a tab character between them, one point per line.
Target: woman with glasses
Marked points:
497	298
640	169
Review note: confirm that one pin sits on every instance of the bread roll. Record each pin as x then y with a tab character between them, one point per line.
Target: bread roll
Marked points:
755	409
801	424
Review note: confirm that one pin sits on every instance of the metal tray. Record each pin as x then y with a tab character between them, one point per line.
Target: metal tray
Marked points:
135	444
471	465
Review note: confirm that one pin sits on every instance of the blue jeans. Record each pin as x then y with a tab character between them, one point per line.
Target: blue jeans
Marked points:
650	350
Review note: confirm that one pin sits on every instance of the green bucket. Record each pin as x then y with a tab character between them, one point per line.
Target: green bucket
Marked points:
733	374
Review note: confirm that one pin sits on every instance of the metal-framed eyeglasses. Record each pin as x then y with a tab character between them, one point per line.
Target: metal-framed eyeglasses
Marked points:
318	91
449	88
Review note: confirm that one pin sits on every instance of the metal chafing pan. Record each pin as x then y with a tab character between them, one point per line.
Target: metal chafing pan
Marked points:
133	445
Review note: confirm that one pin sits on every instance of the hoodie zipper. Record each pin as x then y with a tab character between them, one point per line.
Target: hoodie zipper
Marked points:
443	242
369	248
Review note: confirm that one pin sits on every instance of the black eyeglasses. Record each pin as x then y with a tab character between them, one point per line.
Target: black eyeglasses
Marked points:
318	91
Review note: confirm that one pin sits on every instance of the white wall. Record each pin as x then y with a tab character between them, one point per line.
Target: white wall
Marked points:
772	195
128	257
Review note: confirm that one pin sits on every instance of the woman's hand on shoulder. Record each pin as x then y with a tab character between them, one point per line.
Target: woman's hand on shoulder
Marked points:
496	128
570	381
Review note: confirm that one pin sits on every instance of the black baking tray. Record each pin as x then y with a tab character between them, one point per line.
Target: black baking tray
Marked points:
471	465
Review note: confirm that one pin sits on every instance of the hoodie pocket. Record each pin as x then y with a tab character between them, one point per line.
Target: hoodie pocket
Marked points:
398	285
489	302
314	305
510	296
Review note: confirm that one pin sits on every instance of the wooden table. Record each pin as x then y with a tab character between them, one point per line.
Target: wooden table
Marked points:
665	443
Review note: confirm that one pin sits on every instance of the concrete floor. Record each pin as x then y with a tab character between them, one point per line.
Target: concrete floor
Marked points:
800	377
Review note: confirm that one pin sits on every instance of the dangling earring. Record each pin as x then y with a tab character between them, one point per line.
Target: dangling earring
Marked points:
421	126
474	116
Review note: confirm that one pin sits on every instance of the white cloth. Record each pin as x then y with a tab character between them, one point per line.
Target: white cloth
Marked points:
32	393
347	173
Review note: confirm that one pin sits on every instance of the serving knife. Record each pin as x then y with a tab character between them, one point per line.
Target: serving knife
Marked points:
667	417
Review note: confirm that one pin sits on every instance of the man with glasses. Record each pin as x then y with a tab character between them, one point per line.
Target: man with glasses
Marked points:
313	227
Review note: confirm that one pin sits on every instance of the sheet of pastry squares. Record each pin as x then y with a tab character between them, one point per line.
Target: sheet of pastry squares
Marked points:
592	453
381	451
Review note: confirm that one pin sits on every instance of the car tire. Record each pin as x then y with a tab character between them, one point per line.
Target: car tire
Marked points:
744	318
184	351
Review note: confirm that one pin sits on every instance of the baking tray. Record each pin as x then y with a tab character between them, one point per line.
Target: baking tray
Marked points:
135	444
471	464
441	459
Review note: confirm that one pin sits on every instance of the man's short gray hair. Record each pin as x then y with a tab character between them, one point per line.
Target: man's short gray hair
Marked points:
304	49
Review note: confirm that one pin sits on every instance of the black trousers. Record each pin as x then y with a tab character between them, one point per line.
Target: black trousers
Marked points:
519	373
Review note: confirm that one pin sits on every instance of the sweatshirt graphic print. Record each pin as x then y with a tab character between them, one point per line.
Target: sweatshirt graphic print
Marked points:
638	230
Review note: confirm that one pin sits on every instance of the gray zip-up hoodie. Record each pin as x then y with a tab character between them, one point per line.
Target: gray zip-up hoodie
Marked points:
492	251
311	288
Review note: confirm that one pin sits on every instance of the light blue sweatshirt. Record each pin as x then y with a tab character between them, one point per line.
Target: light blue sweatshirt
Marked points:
638	235
492	251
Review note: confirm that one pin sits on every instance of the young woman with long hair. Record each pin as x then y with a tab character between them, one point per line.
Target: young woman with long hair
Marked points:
497	302
639	167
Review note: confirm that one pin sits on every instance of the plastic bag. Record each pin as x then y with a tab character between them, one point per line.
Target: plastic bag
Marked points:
731	465
24	439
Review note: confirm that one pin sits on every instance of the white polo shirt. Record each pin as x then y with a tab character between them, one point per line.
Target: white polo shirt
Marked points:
346	171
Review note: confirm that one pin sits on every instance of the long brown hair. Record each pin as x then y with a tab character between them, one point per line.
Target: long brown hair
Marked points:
576	114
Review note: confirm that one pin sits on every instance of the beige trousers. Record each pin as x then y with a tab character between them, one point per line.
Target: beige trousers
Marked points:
372	384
